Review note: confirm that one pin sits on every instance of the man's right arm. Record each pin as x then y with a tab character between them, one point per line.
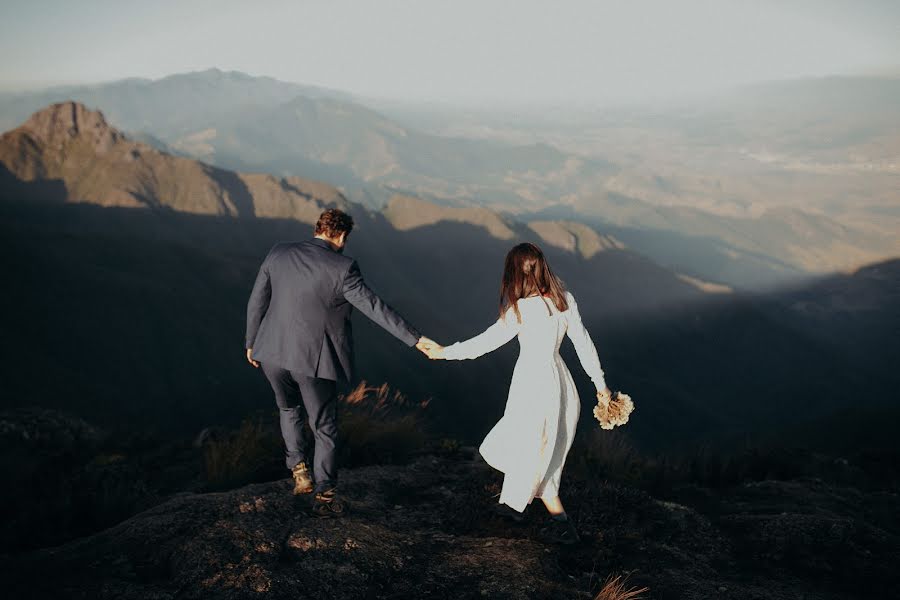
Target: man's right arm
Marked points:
357	293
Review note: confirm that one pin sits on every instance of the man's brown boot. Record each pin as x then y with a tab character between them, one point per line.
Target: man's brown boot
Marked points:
328	505
302	483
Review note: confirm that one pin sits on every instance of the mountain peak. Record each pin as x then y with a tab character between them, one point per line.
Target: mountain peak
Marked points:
575	237
97	164
408	212
64	121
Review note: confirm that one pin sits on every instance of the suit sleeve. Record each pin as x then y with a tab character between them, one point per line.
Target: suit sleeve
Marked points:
259	302
361	296
503	330
584	345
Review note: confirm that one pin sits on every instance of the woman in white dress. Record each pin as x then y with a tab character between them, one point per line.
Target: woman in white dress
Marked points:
530	442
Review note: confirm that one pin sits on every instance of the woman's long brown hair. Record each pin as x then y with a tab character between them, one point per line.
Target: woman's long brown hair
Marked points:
526	273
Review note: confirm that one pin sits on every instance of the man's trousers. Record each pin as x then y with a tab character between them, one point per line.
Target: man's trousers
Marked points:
299	398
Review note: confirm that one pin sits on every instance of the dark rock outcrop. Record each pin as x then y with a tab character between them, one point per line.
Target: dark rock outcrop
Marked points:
426	530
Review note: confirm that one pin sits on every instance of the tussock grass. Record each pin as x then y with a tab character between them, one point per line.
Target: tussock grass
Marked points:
614	589
380	425
377	425
610	456
252	453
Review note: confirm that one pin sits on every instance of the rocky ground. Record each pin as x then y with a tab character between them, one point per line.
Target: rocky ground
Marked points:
427	530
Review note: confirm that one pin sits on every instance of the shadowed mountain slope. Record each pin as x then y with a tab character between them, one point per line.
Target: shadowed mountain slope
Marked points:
129	283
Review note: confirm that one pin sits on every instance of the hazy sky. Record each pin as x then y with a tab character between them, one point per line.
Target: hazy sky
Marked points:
534	51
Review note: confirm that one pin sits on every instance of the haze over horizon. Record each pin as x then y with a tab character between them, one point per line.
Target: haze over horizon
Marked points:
468	52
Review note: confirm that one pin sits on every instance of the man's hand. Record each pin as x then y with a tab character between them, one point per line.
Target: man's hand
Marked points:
250	360
425	344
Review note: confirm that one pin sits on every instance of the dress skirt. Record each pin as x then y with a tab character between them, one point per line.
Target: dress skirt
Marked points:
529	444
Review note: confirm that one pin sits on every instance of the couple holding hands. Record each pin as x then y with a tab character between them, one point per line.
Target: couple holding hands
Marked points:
298	333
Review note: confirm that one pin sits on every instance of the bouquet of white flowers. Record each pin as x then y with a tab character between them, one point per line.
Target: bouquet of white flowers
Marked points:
612	410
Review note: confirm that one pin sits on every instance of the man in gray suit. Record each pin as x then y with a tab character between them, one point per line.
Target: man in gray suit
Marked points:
298	329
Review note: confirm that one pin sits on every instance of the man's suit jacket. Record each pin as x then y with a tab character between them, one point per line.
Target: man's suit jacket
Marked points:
298	316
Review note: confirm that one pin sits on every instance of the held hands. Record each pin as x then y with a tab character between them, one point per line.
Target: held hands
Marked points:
436	352
250	360
430	348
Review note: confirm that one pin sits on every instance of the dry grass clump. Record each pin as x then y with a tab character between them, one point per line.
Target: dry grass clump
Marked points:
380	425
376	424
608	455
380	399
251	453
614	589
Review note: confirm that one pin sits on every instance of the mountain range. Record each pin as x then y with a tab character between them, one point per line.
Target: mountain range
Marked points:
751	190
128	271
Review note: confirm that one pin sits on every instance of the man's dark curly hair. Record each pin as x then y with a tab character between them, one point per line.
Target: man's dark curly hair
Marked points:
333	222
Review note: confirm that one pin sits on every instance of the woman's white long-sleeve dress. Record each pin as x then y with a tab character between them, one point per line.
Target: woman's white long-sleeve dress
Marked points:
530	442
